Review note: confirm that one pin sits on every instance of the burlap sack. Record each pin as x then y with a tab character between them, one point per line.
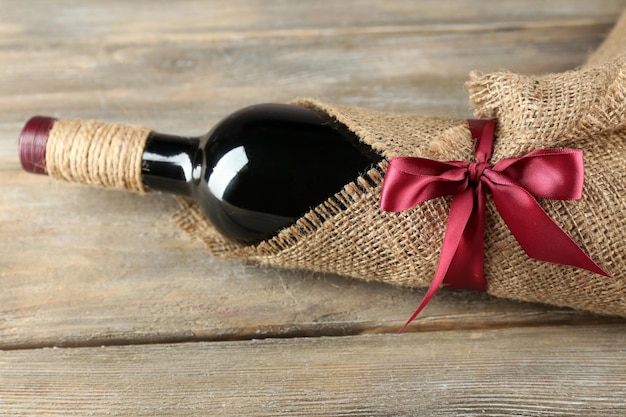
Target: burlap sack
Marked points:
350	235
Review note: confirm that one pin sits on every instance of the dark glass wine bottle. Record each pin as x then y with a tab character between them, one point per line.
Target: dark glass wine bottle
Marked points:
254	173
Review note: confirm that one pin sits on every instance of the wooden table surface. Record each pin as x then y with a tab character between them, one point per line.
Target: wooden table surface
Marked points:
106	308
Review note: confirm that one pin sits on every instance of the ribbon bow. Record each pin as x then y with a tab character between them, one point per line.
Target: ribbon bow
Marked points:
514	183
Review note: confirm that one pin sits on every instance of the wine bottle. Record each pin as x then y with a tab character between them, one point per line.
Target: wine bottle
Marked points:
256	172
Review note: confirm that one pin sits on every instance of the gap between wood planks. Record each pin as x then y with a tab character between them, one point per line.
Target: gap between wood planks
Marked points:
462	322
334	32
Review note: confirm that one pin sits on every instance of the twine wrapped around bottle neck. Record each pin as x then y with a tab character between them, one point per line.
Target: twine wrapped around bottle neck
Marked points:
96	153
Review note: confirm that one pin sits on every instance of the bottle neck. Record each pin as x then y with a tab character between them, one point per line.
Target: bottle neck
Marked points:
171	164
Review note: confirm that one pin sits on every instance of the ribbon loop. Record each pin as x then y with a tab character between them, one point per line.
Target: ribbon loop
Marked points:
514	184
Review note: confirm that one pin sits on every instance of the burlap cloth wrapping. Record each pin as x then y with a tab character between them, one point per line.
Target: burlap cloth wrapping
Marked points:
350	235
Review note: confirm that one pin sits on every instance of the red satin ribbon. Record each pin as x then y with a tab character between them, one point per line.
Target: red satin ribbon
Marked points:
514	183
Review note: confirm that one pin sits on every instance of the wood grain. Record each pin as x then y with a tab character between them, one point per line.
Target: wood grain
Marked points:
555	371
181	67
82	268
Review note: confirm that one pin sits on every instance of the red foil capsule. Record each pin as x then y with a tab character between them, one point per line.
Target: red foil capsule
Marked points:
32	144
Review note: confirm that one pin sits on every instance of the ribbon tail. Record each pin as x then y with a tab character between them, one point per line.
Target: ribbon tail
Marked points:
467	268
460	212
540	237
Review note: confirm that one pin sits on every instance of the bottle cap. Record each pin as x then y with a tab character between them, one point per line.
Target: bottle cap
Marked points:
32	144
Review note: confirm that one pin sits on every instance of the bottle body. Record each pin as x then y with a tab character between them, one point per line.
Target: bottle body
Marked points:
259	169
254	173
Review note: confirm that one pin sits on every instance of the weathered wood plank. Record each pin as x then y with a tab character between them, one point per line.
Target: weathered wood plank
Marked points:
183	66
87	267
559	371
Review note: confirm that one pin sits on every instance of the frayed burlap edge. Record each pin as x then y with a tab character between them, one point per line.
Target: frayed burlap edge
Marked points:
550	110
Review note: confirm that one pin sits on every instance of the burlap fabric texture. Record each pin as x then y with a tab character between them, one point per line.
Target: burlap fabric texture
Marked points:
350	235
